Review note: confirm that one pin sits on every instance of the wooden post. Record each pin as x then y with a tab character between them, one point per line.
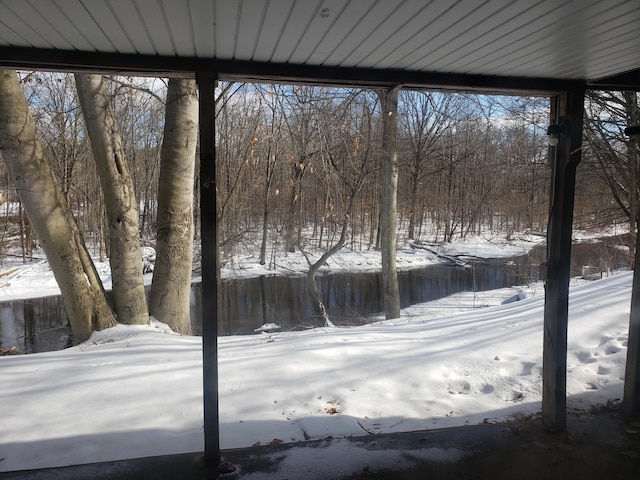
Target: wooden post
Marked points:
631	398
567	111
210	269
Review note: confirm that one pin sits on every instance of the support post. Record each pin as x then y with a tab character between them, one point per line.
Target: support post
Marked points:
566	111
210	269
631	398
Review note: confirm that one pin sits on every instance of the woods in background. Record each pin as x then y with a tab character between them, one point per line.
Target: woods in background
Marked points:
294	161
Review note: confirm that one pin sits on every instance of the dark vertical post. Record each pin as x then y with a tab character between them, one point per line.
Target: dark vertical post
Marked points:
567	112
631	398
210	268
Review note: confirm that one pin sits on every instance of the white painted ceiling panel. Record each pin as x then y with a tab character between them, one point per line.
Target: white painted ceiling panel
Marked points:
103	15
482	32
252	15
543	35
84	24
502	34
341	28
604	17
39	24
360	33
317	31
275	18
130	18
179	27
442	30
155	19
201	14
10	32
378	30
564	39
412	21
7	35
619	63
226	20
61	22
15	22
295	29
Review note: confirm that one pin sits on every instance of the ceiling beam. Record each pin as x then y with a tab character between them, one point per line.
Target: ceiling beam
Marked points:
624	81
23	58
391	78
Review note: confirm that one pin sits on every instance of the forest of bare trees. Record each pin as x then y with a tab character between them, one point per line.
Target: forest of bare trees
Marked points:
295	162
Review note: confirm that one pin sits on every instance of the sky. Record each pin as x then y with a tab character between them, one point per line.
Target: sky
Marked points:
135	391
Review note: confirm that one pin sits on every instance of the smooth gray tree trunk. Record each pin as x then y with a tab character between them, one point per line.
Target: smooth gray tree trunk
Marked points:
169	299
49	213
389	108
125	257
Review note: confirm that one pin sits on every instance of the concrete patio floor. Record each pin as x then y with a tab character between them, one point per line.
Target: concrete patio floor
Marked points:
597	445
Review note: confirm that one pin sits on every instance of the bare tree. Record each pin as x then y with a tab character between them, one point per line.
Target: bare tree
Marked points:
270	147
139	106
169	299
237	121
391	291
347	159
610	155
49	213
125	255
425	117
297	103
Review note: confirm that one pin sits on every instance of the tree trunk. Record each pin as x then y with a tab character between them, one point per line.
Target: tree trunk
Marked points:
413	206
314	293
266	207
125	256
265	229
389	107
169	299
292	224
49	214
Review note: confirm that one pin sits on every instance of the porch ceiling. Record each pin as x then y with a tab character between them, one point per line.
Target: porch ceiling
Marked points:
504	44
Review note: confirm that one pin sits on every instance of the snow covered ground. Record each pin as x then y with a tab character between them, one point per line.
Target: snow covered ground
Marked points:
407	257
134	391
137	391
18	281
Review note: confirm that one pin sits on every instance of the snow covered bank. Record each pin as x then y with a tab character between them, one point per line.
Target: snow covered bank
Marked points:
137	391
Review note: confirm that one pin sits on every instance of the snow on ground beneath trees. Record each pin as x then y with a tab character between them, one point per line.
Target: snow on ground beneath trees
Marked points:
135	391
19	281
408	256
34	279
